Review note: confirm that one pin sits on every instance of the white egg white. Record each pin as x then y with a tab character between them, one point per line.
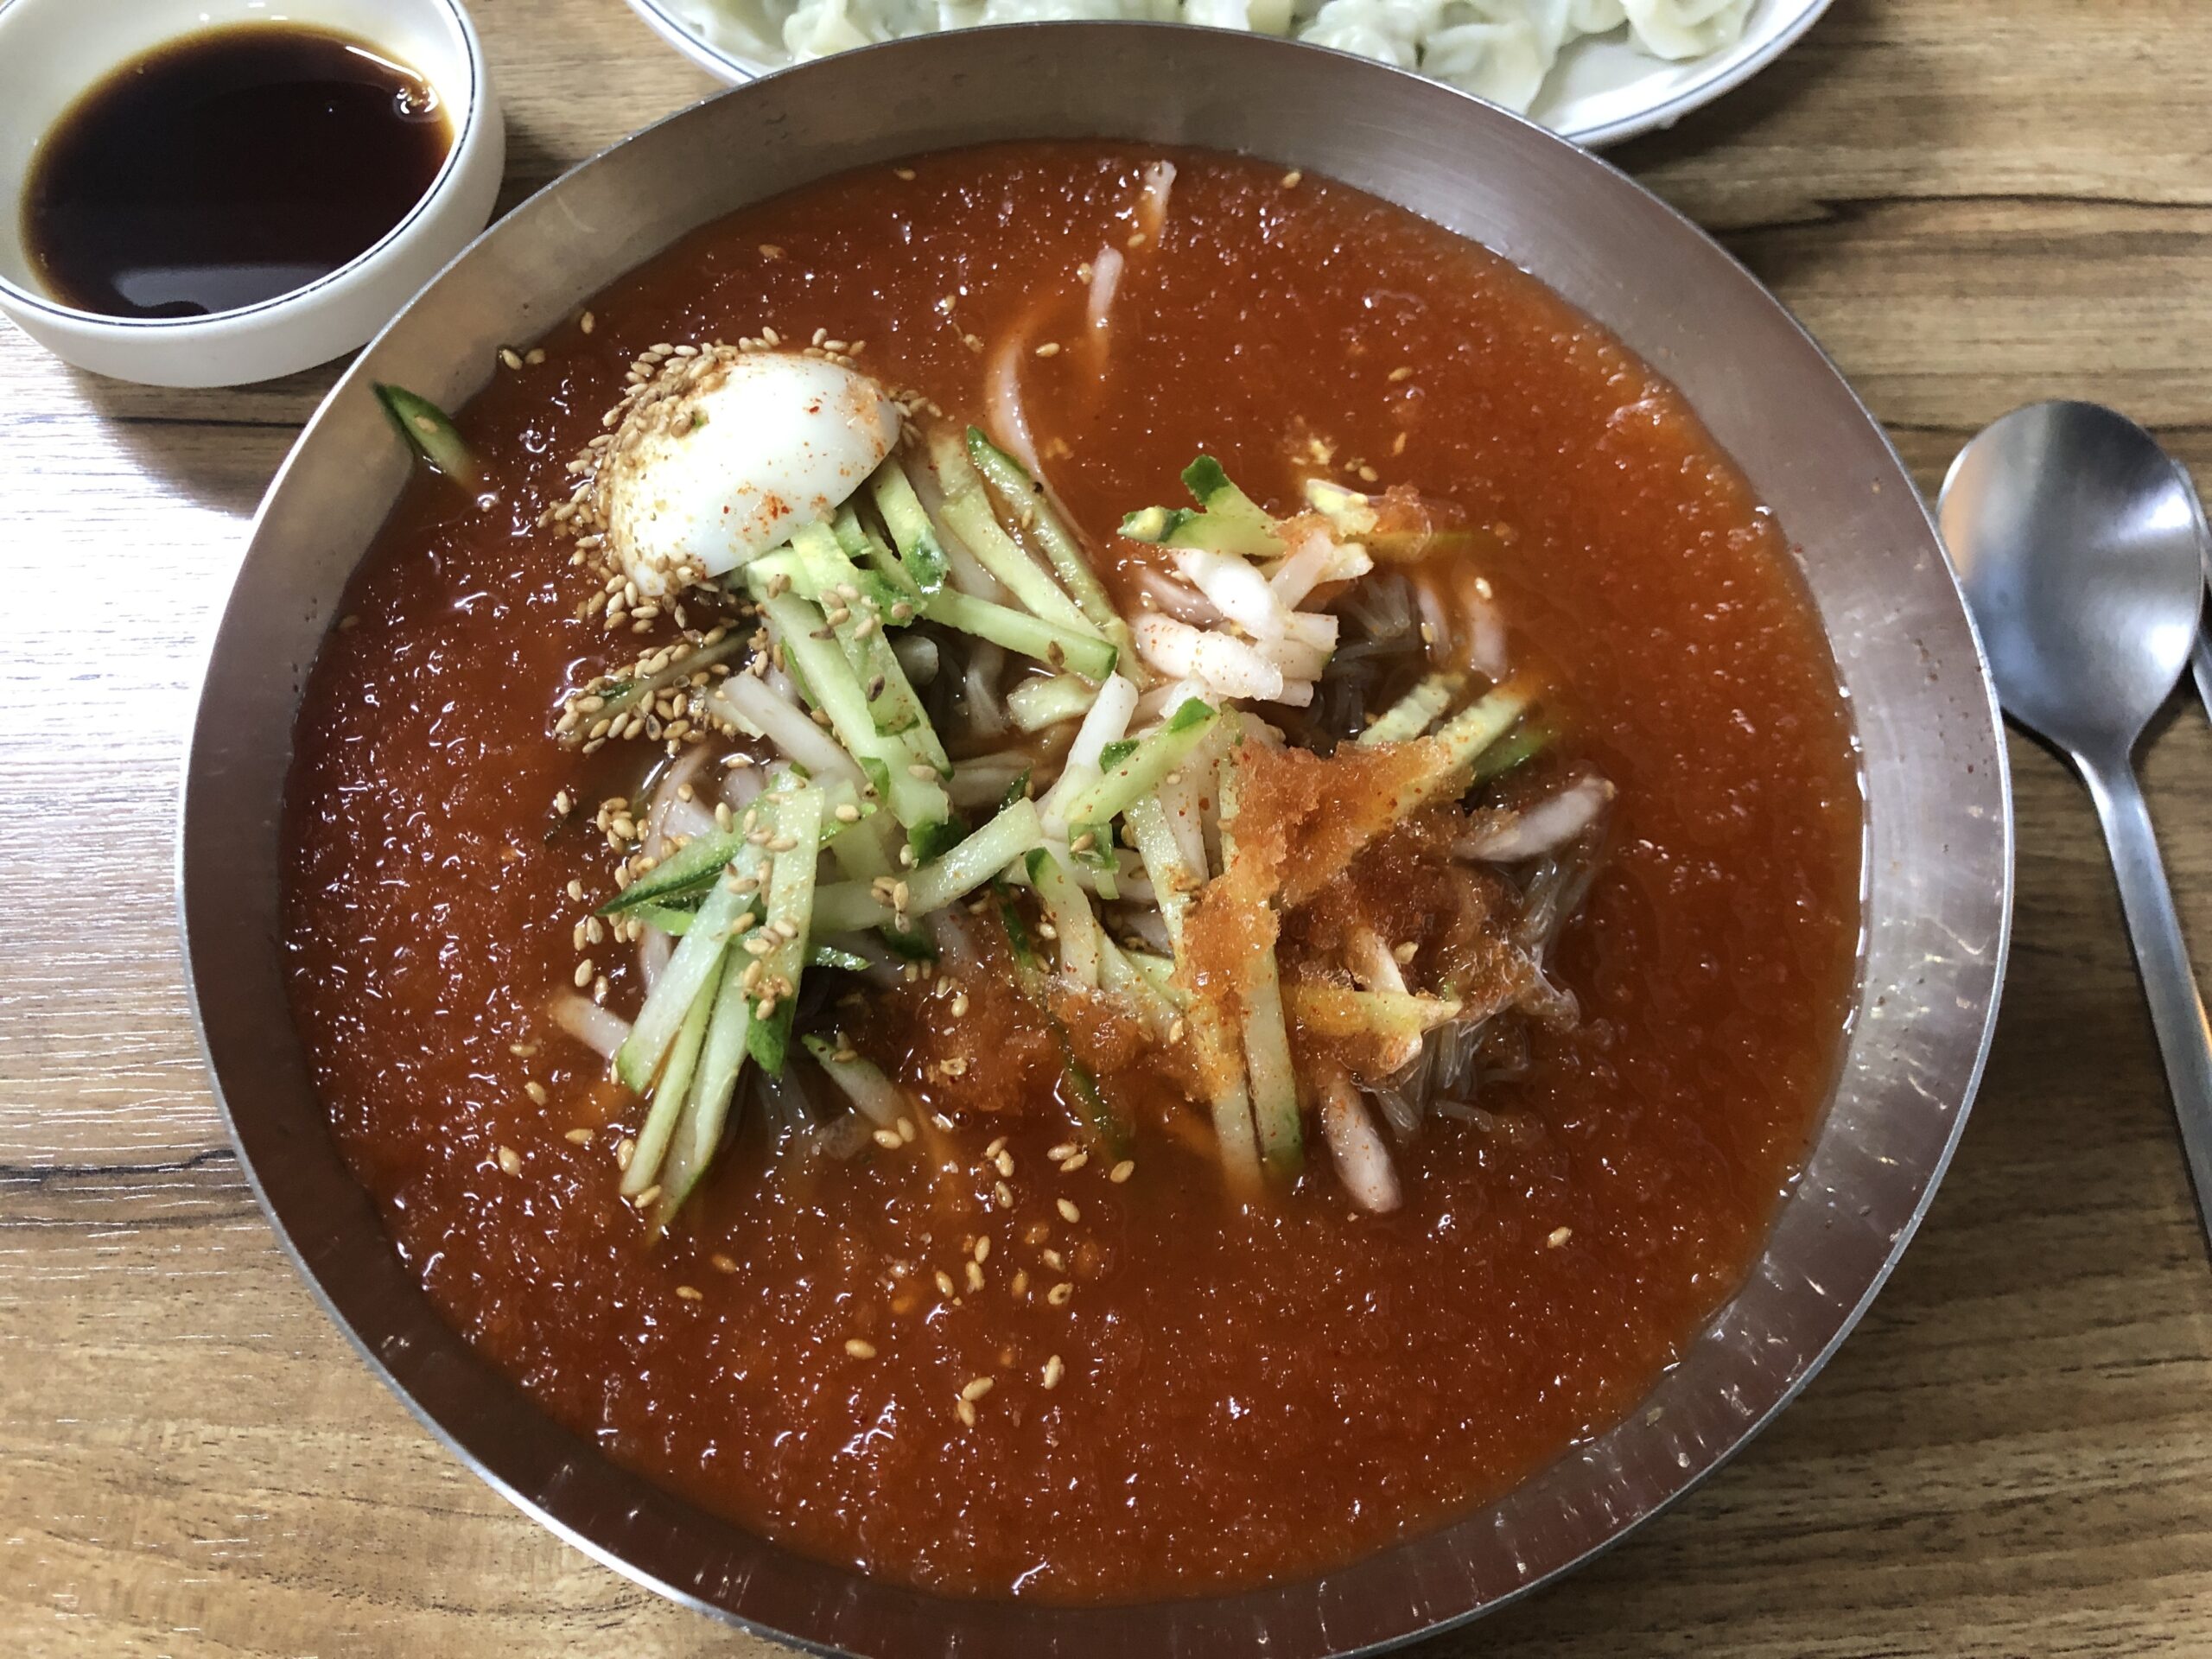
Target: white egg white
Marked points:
774	441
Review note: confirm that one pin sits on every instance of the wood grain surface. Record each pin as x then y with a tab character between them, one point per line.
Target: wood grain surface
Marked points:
1972	205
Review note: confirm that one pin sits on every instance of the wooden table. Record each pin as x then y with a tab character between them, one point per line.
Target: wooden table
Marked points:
1972	205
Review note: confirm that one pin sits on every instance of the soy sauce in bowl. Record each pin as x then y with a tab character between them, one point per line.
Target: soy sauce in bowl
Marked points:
227	167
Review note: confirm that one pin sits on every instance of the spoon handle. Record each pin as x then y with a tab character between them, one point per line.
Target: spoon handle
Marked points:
2200	660
2162	955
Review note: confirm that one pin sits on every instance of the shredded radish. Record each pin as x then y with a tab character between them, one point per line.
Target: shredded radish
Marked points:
1141	922
1106	722
589	1023
1235	588
1372	965
983	783
1007	419
1362	1158
1544	828
1231	667
956	946
654	949
1164	699
740	786
917	657
979	685
1105	276
1183	603
1152	204
753	706
665	802
1300	570
1486	650
1294	658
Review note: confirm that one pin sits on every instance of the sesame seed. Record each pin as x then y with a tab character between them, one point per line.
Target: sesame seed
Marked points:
1559	1236
578	1137
691	1293
511	1161
1368	475
1053	1371
1075	1163
1067	1212
510	356
860	1349
1003	1195
982	1250
996	1148
534	355
975	1276
945	1286
904	172
848	813
1059	1293
586	322
1137	238
723	1263
1123	1171
1052	1258
1290	180
1404	371
1049	348
906	1129
536	1091
1020	1286
967	1412
1004	1161
1405	952
977	1388
645	1200
583	973
888	1140
625	1150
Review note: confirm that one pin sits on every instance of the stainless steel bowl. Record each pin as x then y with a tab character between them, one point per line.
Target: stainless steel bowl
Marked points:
1938	854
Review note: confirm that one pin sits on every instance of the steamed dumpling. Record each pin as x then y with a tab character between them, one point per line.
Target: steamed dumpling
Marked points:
1686	28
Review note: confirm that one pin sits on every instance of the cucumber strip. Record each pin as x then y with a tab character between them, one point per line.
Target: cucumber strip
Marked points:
850	907
1033	637
1349	512
1158	971
1267	1043
1038	702
1157	753
1068	908
829	955
429	432
859	1079
894	707
967	511
672	920
700	861
922	564
1521	745
1274	1083
1102	874
713	1086
1174	878
1459	744
1227	1098
1413	714
1336	1011
747	702
795	849
1026	497
633	694
673	1090
696	955
807	642
846	527
1117	974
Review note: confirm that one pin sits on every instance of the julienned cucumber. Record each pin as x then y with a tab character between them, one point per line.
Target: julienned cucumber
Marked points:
1139	773
429	432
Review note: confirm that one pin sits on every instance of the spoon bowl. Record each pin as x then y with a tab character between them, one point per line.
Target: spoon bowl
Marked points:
2079	543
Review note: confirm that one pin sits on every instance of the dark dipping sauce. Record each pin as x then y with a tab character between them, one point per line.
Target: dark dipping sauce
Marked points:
226	168
1247	1395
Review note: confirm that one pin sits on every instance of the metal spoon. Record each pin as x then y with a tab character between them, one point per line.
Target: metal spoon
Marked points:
2200	649
2079	543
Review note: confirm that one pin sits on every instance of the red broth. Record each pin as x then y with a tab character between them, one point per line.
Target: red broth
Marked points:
1242	1396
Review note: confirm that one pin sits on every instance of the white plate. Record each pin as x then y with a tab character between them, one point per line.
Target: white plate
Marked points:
1602	90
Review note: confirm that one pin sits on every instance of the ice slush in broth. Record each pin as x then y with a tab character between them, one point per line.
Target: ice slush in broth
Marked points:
1080	872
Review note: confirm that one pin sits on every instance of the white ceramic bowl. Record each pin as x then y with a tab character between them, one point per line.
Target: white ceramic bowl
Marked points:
52	51
1603	89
